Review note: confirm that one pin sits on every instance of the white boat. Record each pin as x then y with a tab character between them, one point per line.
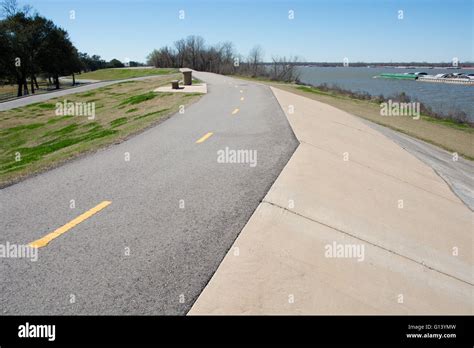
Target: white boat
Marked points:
455	78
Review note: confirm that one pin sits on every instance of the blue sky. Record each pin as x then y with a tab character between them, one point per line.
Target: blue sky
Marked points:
322	30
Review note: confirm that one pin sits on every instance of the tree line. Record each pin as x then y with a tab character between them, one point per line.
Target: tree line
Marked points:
32	46
193	53
95	62
222	58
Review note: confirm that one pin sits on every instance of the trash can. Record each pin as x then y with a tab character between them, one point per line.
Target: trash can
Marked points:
188	77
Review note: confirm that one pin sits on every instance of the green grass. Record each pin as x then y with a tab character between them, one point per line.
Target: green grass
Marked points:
39	106
313	90
119	74
192	94
118	122
62	131
151	114
87	94
449	123
137	99
126	82
22	127
47	106
45	140
58	119
34	153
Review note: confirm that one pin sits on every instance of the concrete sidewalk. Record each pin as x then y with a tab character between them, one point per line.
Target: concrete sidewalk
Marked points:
348	188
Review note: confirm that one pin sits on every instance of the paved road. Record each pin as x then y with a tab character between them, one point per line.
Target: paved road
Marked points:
173	252
50	95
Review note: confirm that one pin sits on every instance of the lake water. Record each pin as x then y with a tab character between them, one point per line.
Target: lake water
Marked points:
441	97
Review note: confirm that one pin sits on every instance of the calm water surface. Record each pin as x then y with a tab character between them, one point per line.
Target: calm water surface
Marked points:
441	97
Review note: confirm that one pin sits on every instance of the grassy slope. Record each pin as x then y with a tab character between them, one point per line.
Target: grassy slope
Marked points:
44	140
119	74
446	134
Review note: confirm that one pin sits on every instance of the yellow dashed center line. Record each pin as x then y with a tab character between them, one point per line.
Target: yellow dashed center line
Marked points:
235	111
204	138
63	229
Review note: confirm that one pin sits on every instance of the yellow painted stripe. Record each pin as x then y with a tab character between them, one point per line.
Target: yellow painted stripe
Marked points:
63	229
235	111
204	138
242	98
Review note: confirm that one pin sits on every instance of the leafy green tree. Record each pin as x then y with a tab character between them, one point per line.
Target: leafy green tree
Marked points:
32	44
7	56
57	56
91	63
115	63
15	53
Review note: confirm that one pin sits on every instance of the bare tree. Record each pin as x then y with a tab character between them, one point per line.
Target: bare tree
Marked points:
255	59
190	58
180	47
10	8
198	49
227	57
283	69
165	57
192	52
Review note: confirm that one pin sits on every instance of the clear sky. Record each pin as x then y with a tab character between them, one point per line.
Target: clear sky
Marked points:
322	30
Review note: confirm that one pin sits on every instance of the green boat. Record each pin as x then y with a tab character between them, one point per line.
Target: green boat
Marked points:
408	76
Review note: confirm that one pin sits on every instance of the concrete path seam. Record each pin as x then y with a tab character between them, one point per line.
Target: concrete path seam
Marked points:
367	241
